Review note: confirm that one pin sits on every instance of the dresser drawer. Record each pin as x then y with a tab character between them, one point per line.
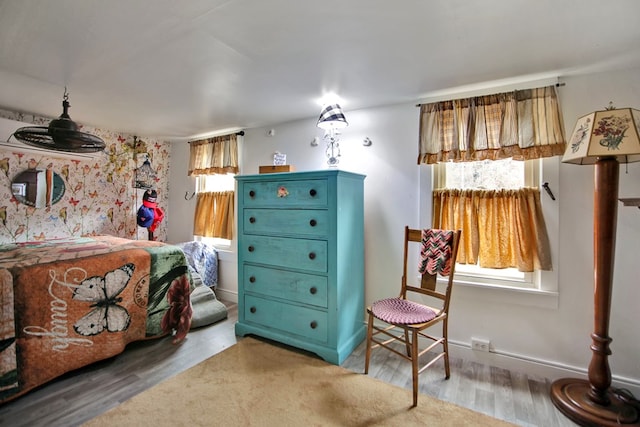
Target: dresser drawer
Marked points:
285	252
302	222
312	192
288	285
303	321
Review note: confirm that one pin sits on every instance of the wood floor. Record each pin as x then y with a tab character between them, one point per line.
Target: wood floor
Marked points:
88	392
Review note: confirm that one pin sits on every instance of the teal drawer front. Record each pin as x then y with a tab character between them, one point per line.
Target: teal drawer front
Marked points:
303	222
285	193
298	287
303	321
300	254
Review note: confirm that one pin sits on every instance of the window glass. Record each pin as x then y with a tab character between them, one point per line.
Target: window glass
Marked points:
217	182
485	175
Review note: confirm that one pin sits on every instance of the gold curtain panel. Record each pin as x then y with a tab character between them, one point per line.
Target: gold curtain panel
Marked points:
500	228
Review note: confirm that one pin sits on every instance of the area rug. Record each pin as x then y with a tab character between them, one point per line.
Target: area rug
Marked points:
255	383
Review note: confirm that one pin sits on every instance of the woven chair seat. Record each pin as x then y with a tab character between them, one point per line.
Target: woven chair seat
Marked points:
401	311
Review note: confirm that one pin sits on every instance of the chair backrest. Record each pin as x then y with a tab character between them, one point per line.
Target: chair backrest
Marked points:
427	284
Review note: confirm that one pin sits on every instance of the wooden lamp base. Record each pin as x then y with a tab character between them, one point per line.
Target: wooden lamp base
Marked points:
571	397
592	403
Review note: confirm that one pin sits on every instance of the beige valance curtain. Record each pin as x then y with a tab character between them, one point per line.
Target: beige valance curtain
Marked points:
500	228
523	124
214	214
214	155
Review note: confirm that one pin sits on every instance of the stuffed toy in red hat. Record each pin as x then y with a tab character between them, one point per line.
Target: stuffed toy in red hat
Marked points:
149	214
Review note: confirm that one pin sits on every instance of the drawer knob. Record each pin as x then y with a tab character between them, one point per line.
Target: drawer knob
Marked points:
252	220
252	193
312	255
251	248
313	290
313	192
313	324
252	309
313	223
252	279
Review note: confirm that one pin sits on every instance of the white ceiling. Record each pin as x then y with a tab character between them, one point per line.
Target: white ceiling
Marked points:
178	69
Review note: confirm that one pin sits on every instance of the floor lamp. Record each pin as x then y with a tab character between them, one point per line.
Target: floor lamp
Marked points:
604	139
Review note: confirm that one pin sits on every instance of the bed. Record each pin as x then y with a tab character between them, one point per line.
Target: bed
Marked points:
67	303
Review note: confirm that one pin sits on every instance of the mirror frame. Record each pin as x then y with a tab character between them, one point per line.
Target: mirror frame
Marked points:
25	186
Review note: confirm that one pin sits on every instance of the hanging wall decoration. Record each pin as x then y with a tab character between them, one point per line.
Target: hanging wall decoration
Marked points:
149	214
144	176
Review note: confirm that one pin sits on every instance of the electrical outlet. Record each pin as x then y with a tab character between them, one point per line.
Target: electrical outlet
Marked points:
480	344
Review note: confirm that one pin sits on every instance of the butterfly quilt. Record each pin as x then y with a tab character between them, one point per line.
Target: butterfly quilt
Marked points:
70	302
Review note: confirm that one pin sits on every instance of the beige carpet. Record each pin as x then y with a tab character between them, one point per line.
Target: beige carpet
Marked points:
255	383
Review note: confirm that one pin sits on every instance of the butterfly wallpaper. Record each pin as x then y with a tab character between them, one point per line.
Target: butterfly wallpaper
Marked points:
99	196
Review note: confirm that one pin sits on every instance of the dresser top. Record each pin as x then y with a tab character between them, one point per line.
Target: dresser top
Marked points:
301	175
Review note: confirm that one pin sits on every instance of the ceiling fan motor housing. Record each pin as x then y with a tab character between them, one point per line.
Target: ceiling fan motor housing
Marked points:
64	121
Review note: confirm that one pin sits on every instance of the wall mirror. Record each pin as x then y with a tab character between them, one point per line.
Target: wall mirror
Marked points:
38	188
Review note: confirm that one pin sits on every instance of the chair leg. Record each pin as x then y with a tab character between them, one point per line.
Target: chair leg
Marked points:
445	346
414	365
407	341
367	355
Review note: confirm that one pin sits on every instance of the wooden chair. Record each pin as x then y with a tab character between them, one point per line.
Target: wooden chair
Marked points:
403	320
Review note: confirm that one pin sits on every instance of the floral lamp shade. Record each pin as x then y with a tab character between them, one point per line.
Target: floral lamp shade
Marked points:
608	133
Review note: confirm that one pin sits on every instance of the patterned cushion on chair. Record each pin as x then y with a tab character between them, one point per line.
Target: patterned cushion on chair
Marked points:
401	311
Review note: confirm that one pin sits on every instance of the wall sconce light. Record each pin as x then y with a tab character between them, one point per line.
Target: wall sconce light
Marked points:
331	119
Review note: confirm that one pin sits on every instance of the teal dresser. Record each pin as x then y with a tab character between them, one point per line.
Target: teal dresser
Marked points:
301	260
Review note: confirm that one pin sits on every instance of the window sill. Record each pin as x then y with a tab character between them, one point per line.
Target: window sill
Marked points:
226	254
507	294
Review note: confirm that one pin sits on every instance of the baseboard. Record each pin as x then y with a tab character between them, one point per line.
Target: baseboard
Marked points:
535	367
225	295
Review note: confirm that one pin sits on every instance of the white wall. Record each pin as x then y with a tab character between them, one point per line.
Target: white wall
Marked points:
179	216
527	332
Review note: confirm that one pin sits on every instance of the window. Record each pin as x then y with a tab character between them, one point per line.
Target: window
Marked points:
505	220
490	175
216	183
214	212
